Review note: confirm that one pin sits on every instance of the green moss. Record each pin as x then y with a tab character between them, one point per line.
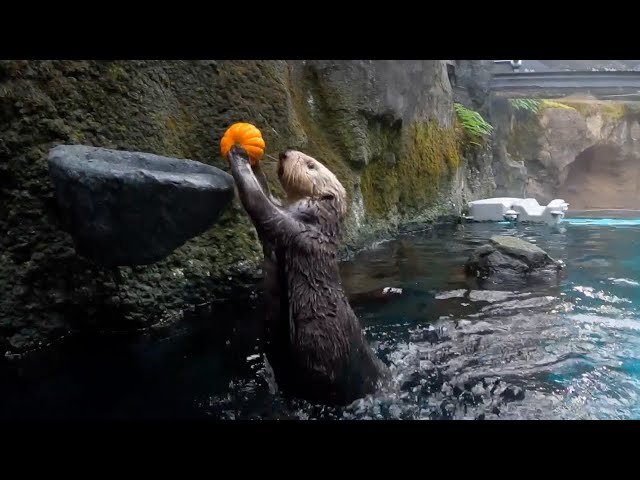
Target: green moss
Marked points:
534	105
544	104
179	137
585	109
215	253
609	110
523	137
116	72
171	125
430	156
537	106
320	142
333	110
615	111
379	186
385	138
78	136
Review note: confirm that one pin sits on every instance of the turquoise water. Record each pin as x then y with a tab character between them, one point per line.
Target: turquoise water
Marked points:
604	222
574	347
570	350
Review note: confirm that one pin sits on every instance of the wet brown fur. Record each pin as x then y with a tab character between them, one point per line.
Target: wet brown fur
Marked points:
313	340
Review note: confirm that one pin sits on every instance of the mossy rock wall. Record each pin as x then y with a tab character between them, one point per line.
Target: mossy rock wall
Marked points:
427	159
393	127
386	129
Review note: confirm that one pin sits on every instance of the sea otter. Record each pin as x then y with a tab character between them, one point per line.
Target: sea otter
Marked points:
313	340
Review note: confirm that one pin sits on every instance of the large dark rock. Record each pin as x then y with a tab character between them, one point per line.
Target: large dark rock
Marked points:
511	261
134	208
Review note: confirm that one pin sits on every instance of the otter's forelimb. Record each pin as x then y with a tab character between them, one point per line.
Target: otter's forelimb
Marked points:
265	215
262	180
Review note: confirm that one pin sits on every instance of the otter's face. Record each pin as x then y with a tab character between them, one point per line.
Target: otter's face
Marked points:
303	176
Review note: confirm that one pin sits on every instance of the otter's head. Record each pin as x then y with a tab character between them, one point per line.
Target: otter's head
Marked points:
303	176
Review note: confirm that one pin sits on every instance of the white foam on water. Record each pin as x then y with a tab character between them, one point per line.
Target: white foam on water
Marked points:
600	295
624	281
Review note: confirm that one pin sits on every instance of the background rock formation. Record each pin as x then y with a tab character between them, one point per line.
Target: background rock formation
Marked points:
582	150
387	128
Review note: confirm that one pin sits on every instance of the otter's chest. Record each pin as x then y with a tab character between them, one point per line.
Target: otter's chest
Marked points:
311	281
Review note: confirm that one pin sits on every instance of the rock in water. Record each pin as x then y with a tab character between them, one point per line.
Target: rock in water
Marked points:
134	208
512	393
511	261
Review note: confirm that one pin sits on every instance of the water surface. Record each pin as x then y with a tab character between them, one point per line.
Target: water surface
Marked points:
565	351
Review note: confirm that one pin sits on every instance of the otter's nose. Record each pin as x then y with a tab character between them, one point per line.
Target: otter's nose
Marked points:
284	154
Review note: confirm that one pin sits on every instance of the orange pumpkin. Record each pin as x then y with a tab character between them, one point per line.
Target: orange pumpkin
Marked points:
248	137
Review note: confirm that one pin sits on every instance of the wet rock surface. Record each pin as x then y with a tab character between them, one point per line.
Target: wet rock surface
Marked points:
134	208
511	261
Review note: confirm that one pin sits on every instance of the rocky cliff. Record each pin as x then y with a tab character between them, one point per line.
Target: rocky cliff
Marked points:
580	149
386	128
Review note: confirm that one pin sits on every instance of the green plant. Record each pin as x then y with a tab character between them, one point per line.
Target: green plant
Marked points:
527	104
476	127
552	104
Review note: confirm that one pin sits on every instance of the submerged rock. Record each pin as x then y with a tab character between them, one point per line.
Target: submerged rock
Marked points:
133	208
511	261
512	393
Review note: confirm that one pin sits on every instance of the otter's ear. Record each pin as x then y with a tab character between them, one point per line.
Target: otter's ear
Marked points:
328	196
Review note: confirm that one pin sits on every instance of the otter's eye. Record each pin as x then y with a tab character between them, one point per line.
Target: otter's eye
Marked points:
310	166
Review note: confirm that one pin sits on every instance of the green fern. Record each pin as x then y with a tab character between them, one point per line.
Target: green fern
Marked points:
473	124
527	104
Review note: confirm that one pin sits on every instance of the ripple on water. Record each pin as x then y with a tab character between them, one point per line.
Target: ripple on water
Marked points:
624	281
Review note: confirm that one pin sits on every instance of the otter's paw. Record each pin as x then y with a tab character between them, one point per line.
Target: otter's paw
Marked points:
239	151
